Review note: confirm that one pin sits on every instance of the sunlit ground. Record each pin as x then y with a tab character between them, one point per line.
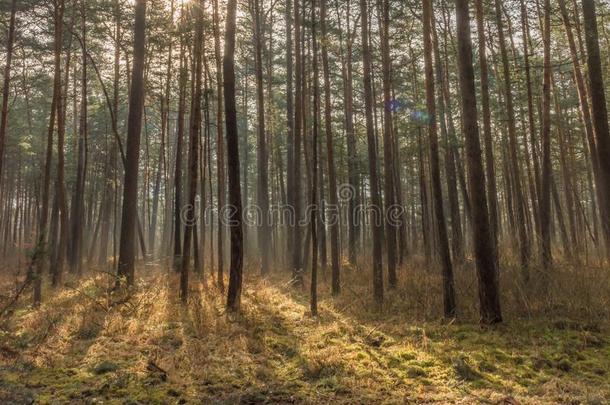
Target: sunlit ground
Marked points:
85	345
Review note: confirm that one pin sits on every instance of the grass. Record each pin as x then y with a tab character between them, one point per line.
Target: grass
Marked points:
84	345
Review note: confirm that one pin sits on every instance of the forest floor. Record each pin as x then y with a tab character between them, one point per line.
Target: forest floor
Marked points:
85	345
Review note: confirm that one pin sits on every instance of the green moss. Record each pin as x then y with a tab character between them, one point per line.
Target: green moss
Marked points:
282	345
463	370
487	366
416	372
405	355
564	365
105	367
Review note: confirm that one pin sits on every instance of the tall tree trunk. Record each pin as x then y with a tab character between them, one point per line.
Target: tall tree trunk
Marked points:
220	149
39	260
193	156
330	159
492	189
228	69
127	252
599	112
535	187
296	153
289	126
10	40
484	249
388	144
313	200
353	193
449	306
376	205
179	145
110	189
448	134
57	269
78	202
264	229
520	208
545	192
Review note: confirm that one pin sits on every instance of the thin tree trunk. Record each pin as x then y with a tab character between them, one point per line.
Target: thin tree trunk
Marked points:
179	145
492	190
314	175
296	154
545	192
449	306
524	249
190	233
220	148
330	158
388	144
78	202
264	229
228	69
376	204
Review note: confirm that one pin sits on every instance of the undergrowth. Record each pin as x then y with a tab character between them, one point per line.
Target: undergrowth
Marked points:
88	344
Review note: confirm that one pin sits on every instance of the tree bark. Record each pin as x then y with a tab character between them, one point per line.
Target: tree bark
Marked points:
545	192
599	112
520	208
129	214
484	249
492	189
193	156
220	150
376	204
449	306
330	160
228	69
10	40
264	228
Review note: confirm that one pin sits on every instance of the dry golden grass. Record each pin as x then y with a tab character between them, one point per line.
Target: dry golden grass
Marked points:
86	345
